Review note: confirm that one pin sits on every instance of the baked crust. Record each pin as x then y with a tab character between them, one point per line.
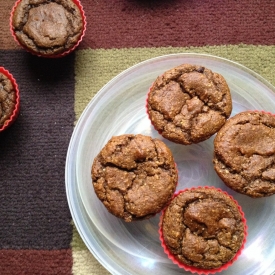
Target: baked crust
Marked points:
244	153
134	176
203	228
47	27
189	103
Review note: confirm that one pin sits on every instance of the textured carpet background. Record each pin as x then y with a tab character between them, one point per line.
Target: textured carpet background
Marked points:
37	235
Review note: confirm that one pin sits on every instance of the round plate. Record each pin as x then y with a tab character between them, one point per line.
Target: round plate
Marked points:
119	108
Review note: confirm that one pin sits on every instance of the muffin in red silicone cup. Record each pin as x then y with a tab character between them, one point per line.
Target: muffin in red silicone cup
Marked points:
48	28
244	153
134	176
189	103
203	230
9	99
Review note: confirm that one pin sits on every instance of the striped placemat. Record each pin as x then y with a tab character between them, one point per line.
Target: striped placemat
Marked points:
37	234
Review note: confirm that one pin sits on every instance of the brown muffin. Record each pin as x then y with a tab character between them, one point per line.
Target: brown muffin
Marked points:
48	27
244	153
134	176
9	99
189	103
203	228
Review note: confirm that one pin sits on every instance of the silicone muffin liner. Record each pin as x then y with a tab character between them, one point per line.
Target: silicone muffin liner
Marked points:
15	113
193	269
78	4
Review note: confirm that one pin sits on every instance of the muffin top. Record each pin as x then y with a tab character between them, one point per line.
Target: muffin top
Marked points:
47	27
189	103
7	99
244	153
134	176
203	228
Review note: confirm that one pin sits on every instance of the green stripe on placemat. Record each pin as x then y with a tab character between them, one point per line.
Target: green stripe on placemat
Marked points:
100	66
94	68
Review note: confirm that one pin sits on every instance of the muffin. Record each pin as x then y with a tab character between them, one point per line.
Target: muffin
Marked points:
203	230
48	28
189	103
134	176
9	99
244	153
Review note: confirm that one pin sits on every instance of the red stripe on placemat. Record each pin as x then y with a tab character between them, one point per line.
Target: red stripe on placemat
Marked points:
156	23
31	262
161	23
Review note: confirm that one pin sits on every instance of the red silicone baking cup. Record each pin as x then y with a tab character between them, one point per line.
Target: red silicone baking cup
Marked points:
78	4
15	113
200	270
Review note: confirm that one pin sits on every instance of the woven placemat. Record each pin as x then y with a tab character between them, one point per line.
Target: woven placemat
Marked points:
37	234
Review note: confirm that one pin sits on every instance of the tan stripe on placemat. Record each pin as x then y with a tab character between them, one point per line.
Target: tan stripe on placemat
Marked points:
84	262
94	68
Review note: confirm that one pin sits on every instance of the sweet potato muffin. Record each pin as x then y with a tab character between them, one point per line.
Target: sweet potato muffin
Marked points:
48	28
244	153
134	176
202	228
189	103
9	99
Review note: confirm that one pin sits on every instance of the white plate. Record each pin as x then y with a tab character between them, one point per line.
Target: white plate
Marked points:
118	108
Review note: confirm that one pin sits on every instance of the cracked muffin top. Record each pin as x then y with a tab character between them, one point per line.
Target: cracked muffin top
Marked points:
134	176
244	153
47	28
203	228
189	103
